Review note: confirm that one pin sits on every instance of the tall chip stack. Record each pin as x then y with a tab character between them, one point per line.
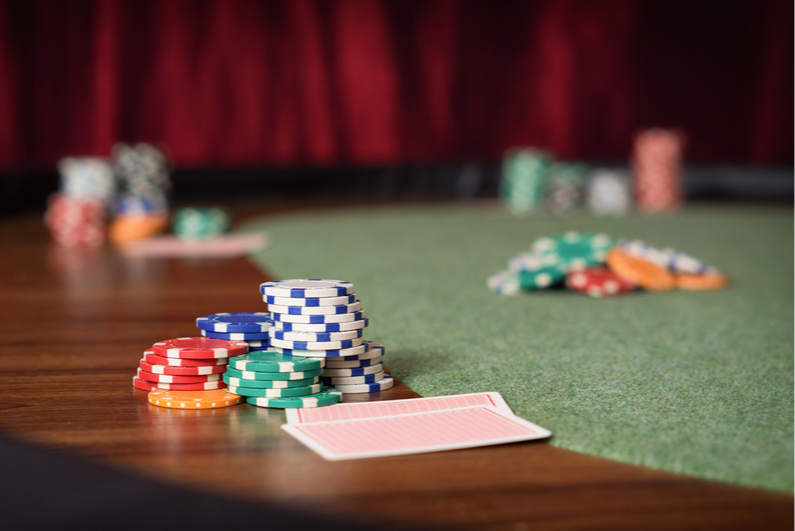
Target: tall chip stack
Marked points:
524	179
77	214
608	193
564	189
251	327
186	364
657	170
315	318
142	208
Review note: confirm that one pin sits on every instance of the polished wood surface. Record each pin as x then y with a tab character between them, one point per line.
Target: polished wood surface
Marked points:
74	323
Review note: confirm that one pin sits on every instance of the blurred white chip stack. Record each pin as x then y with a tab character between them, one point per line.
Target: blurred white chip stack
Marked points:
608	193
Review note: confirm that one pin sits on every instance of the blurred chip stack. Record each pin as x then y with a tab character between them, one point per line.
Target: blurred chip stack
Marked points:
142	208
200	223
564	187
609	193
524	178
657	170
76	215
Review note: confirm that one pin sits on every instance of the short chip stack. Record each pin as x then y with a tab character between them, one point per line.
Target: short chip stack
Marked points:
275	380
251	327
315	318
186	364
593	264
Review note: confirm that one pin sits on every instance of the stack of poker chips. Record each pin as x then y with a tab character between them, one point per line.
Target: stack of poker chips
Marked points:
564	188
657	170
323	319
143	178
608	193
186	364
524	179
275	380
76	215
597	266
251	327
193	223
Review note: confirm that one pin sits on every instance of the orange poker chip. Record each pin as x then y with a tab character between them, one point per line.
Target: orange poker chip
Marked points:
645	274
128	228
213	399
705	282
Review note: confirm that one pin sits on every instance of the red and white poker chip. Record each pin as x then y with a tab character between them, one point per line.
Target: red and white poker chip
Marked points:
172	379
148	386
598	282
154	359
182	371
199	348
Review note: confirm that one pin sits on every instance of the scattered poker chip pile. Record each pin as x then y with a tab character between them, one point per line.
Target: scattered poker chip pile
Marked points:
307	352
598	266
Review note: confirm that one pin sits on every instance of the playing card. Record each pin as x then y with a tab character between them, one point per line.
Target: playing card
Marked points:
395	407
426	431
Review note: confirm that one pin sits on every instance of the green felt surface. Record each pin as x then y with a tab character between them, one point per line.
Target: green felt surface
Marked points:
693	382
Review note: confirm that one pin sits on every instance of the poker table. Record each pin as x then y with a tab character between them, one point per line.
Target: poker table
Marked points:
613	379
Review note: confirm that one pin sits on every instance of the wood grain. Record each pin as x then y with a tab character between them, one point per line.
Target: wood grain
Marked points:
74	323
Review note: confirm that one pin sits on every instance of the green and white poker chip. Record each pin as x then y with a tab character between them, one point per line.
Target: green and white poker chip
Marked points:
327	397
277	393
257	375
269	384
573	250
541	278
271	361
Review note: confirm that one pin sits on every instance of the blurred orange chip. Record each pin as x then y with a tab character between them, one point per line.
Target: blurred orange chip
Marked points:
708	281
645	274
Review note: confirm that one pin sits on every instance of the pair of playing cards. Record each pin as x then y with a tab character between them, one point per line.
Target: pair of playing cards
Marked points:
412	426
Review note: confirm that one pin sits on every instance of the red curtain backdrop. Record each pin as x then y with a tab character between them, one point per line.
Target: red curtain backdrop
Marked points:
319	82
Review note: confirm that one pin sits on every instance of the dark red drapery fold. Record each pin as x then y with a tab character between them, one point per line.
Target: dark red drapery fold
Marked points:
243	82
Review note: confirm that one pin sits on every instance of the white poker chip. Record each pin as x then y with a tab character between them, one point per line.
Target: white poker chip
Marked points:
382	385
355	306
334	372
325	327
348	380
314	336
316	345
306	288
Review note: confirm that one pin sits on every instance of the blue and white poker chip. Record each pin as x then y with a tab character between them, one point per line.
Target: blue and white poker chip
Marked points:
351	371
237	336
306	288
317	319
316	345
332	363
311	302
255	344
348	380
247	322
382	385
315	310
314	336
326	327
337	354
